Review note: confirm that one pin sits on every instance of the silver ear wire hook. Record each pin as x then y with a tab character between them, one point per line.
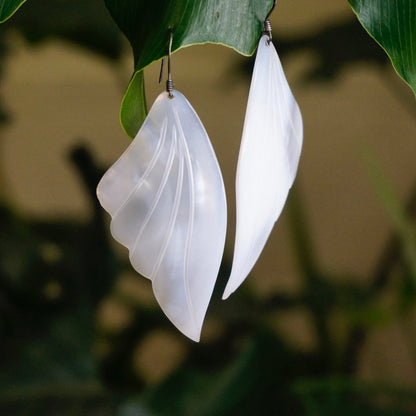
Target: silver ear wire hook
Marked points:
267	24
169	82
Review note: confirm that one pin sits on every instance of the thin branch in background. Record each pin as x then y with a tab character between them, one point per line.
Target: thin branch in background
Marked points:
89	174
301	236
315	288
394	249
390	257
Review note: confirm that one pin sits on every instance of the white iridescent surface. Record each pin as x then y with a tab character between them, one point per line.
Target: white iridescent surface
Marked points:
268	160
166	197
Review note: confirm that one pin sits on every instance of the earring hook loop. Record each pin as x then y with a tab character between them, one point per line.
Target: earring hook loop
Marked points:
267	24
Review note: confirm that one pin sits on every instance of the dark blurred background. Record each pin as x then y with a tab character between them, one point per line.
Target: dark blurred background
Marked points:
326	322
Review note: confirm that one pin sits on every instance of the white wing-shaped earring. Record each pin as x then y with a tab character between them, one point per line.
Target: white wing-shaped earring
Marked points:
268	159
167	202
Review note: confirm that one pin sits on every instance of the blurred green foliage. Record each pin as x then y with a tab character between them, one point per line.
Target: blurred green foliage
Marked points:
85	23
54	275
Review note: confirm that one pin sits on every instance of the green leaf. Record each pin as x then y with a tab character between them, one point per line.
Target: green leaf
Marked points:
234	23
392	23
133	106
8	8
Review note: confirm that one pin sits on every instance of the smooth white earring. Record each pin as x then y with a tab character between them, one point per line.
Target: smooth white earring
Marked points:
166	197
269	155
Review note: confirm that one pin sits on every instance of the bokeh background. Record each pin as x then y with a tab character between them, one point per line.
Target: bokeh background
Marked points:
326	322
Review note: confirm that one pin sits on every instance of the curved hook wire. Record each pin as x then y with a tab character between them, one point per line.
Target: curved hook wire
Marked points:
271	10
169	82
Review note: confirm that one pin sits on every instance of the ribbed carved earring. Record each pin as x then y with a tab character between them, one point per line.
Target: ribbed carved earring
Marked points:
166	197
269	154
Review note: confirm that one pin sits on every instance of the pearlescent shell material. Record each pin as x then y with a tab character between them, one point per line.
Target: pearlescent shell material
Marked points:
167	202
268	160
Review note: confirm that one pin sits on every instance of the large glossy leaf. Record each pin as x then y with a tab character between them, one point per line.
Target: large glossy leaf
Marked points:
234	23
8	8
392	23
